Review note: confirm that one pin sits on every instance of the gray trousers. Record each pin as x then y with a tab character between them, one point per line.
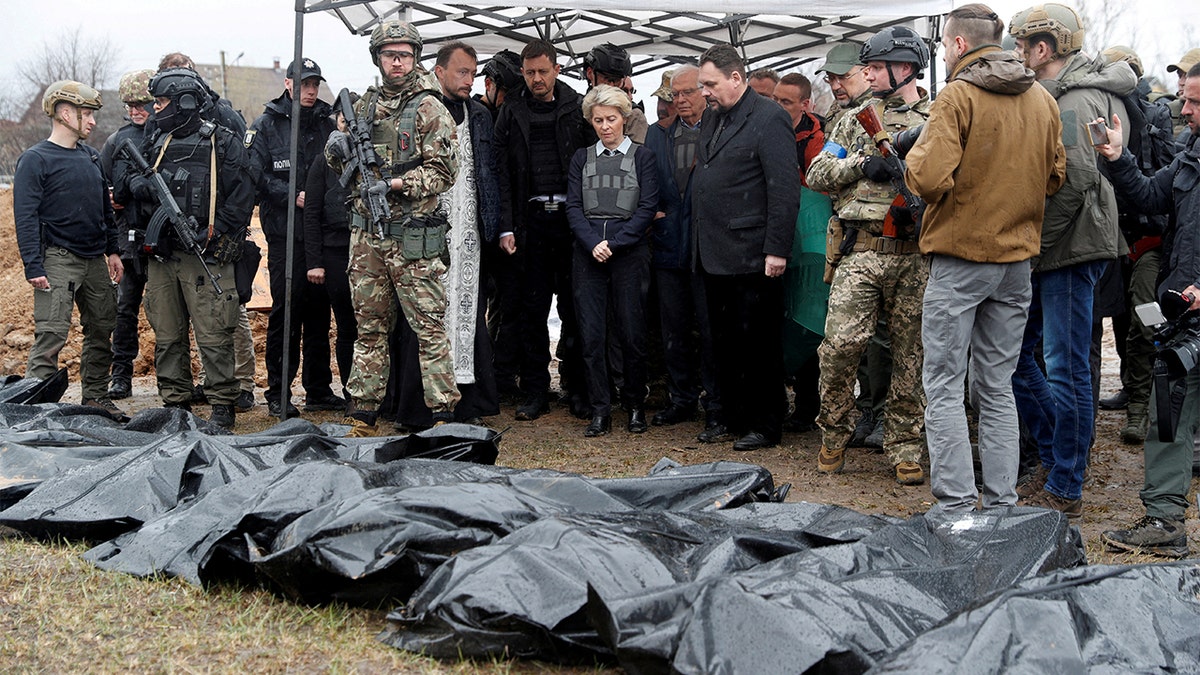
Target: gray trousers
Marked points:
981	307
83	282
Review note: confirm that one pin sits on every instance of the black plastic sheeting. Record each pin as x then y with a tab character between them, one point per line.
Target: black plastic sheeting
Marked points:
762	588
690	569
163	458
1141	619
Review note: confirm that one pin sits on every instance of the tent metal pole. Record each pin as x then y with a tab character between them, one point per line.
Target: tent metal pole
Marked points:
285	393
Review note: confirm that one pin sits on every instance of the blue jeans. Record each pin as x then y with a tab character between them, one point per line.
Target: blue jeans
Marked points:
1056	406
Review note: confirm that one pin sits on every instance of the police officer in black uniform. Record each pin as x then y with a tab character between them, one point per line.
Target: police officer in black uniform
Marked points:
269	142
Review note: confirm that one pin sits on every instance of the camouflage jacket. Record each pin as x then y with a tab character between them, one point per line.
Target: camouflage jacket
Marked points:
855	198
433	138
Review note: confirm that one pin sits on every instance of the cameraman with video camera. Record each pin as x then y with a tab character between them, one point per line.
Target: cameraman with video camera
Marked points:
1175	189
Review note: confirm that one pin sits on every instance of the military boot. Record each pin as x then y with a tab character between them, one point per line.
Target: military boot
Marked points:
361	423
864	427
1156	536
223	415
1136	424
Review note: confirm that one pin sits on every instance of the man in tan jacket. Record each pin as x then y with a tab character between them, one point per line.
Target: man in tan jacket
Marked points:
989	154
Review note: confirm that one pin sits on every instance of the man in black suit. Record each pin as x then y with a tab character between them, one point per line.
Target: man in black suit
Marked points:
745	196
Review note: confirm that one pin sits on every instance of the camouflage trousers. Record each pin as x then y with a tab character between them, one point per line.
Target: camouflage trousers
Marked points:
380	276
865	284
74	281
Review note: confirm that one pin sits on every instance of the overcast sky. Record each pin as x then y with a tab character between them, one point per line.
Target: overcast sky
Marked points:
262	30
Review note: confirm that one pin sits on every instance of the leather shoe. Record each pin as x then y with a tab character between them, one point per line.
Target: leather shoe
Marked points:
600	425
752	441
637	421
535	406
120	388
1118	401
674	414
714	433
579	406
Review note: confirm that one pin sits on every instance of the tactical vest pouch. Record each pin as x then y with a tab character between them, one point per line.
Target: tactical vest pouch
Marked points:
424	238
834	236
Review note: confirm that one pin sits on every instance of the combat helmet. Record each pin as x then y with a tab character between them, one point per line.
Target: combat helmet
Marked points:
390	32
1059	21
505	69
184	87
69	91
1126	54
135	86
609	59
896	44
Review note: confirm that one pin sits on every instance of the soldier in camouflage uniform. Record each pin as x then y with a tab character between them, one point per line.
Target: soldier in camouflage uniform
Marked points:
415	137
878	273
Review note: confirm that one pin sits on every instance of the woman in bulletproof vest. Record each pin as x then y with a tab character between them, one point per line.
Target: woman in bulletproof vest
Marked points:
612	196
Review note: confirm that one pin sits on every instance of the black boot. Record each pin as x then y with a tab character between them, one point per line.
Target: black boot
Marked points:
222	416
637	420
600	425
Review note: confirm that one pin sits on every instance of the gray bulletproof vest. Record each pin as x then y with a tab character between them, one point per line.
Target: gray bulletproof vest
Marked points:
610	185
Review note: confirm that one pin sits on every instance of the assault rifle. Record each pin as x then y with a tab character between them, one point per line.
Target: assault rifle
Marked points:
187	230
375	179
869	119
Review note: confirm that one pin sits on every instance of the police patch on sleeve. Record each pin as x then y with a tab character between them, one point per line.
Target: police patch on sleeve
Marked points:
248	139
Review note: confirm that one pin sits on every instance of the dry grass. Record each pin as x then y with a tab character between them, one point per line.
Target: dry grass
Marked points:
60	614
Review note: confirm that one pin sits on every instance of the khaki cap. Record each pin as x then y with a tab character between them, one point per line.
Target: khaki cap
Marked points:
1191	58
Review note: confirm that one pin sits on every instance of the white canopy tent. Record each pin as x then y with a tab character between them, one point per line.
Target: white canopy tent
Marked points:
657	33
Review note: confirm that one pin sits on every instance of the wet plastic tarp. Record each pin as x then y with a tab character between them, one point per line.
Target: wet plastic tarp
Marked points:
368	532
1140	619
691	569
180	459
764	588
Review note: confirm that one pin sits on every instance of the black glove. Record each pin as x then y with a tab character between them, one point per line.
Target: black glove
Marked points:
225	248
877	169
902	217
337	148
141	189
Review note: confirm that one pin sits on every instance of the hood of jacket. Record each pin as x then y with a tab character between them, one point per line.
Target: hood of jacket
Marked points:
996	70
1083	72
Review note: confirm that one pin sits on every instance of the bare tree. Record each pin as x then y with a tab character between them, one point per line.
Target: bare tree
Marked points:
72	56
1100	19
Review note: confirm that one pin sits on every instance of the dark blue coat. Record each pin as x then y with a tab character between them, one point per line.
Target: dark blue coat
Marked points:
670	236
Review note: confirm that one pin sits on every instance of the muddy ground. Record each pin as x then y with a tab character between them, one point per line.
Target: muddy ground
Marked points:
555	441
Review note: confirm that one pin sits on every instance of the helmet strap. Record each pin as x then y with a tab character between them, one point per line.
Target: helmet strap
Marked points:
895	86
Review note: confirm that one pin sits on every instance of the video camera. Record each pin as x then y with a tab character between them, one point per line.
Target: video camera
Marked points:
1177	337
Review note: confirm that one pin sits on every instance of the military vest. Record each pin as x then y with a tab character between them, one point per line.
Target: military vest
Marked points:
191	162
397	142
610	185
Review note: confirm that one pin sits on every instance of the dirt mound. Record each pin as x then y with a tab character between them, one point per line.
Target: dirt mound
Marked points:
16	314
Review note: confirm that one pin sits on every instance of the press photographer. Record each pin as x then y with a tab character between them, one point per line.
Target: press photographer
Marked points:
1168	465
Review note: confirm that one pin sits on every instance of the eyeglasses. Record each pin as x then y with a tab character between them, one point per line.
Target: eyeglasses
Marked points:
392	55
137	106
831	78
676	93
